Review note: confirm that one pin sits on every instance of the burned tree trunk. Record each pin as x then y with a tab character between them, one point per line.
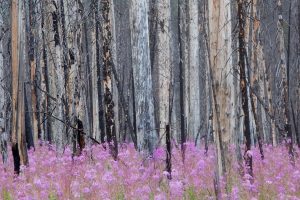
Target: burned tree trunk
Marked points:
284	75
18	111
99	74
222	80
193	70
59	81
255	78
181	75
168	152
3	132
162	64
107	78
243	85
143	97
33	77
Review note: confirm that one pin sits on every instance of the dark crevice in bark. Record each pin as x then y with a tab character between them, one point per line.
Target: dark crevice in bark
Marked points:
169	152
28	126
16	156
134	111
181	74
80	135
295	126
55	27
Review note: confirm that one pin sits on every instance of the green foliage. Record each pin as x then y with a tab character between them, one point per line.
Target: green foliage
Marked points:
190	194
107	166
163	185
52	196
151	196
6	195
120	195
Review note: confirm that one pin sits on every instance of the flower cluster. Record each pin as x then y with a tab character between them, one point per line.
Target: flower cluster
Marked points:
95	175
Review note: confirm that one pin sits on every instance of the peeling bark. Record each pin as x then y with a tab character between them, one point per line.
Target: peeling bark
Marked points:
18	111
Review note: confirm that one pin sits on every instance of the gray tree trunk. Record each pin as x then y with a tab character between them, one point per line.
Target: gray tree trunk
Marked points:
145	124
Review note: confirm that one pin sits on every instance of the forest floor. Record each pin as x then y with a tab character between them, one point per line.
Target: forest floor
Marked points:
95	175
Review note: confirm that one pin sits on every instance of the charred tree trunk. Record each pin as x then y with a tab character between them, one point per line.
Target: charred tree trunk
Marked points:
3	132
162	64
107	78
45	85
255	78
33	77
284	74
168	152
99	74
18	111
65	67
181	76
143	97
243	85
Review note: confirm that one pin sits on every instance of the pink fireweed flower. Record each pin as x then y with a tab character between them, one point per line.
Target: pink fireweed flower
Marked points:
86	190
176	188
108	177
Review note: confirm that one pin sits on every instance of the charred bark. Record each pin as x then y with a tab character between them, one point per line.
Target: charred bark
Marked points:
17	61
169	152
107	78
181	75
243	85
99	75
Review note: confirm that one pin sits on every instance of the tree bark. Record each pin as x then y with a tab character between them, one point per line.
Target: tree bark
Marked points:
162	65
193	70
222	79
182	81
3	133
285	98
145	122
107	78
18	111
243	86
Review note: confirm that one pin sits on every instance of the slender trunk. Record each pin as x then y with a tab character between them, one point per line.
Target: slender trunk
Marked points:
182	80
33	79
222	80
162	65
86	91
283	67
193	70
18	110
65	67
107	78
45	78
296	127
99	74
3	133
243	86
59	83
168	152
255	78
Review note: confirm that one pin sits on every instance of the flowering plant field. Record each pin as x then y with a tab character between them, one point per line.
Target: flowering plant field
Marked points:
95	175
